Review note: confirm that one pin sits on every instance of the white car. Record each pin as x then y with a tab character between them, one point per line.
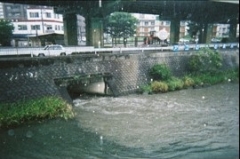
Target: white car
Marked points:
51	50
182	40
216	40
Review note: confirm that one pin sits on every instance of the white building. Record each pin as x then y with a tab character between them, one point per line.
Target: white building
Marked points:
222	30
1	11
33	25
40	21
147	23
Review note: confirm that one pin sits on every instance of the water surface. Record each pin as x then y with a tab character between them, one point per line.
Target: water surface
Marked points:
193	123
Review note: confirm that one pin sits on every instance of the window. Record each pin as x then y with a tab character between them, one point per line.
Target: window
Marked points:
35	27
182	23
34	14
142	16
146	23
56	16
53	47
168	23
49	27
48	15
22	27
17	15
152	23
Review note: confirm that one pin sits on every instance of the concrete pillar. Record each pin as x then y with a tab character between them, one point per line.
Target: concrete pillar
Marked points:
136	41
174	30
233	32
70	29
208	33
94	32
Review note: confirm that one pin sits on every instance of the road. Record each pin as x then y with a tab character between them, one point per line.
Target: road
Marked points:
7	52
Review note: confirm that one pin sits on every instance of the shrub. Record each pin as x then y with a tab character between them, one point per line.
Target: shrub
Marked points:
233	74
175	84
145	89
206	60
160	72
158	86
197	80
187	81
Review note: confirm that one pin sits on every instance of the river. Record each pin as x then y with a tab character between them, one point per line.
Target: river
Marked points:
186	124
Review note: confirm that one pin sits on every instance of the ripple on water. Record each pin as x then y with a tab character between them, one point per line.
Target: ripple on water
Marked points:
141	121
175	125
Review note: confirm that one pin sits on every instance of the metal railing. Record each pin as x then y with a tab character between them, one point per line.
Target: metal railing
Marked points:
91	49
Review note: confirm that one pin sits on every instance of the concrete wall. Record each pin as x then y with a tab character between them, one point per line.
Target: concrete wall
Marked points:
27	78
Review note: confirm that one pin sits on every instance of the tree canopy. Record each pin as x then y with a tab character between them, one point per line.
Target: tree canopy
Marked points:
6	29
120	25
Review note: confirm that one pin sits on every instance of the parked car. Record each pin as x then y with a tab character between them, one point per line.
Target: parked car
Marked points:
216	40
182	40
51	50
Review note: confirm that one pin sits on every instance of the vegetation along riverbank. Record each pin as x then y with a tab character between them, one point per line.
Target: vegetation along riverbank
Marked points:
13	114
203	69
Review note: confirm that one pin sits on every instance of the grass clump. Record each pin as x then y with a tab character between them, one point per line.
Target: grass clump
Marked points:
159	86
215	78
145	89
175	84
47	107
188	81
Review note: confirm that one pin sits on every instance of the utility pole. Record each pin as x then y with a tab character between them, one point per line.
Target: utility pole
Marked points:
42	20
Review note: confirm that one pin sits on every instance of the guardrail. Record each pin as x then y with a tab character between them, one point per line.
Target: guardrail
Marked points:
174	48
91	49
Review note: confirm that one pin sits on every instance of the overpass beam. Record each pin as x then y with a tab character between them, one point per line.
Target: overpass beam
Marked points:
174	30
94	32
70	29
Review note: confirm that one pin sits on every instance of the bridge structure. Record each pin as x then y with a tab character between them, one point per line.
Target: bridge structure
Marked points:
204	12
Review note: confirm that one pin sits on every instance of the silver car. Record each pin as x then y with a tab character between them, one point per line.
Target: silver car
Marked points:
51	50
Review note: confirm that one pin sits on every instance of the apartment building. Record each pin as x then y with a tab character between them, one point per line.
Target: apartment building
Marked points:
147	23
33	25
1	11
14	11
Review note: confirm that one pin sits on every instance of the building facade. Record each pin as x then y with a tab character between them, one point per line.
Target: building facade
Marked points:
33	25
1	11
148	23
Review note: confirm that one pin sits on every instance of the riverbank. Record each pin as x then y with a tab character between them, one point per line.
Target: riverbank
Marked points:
198	80
13	114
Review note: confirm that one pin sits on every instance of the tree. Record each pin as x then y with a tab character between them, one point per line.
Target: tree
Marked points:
120	25
6	29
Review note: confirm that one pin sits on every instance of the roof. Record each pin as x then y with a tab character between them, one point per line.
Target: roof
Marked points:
19	35
45	34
